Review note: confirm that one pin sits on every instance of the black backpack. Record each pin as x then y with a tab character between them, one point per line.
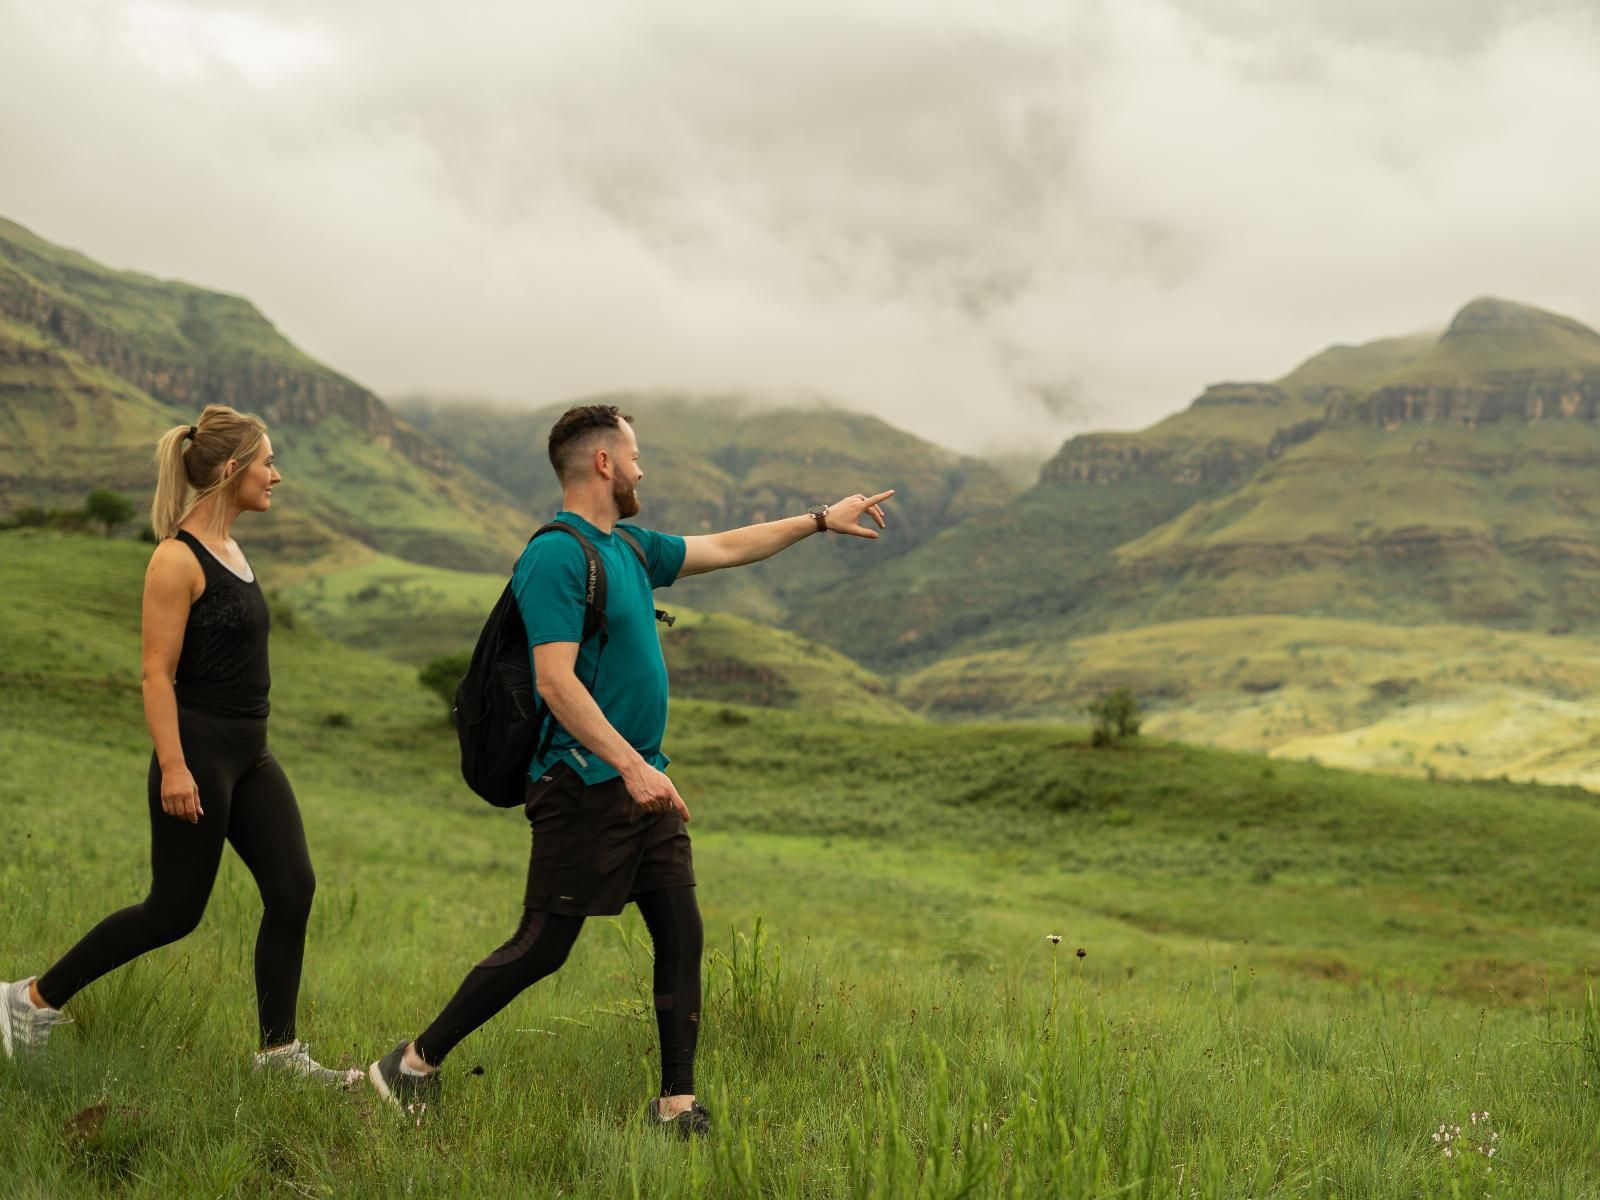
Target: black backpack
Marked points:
500	720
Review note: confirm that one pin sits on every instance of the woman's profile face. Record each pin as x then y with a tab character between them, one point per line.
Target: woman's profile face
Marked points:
254	491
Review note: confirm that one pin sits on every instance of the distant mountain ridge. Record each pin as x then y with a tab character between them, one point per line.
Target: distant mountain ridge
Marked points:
719	462
1428	478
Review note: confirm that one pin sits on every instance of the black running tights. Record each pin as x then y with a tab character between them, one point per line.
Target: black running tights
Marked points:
248	803
541	945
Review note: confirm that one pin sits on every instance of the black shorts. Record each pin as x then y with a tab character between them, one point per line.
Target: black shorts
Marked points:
595	849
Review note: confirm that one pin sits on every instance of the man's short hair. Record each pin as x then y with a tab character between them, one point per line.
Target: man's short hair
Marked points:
577	431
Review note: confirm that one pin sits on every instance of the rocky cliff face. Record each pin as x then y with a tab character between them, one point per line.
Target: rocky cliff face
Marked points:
1526	396
1104	460
280	394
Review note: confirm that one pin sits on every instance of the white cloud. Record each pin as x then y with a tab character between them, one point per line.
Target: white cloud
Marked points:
953	215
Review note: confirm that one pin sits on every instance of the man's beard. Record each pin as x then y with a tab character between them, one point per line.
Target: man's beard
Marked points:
626	496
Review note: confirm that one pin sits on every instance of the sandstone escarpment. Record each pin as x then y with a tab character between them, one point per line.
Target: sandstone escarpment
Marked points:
1104	459
1525	396
189	377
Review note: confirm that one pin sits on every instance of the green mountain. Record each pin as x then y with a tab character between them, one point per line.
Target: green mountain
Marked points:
1460	486
96	363
1431	478
714	463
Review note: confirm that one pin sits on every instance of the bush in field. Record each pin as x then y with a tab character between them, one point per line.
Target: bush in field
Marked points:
107	508
1116	716
443	674
281	611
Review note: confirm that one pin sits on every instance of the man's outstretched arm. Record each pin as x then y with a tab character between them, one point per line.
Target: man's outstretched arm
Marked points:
736	547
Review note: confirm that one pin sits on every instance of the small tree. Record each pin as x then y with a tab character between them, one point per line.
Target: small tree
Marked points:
108	508
1116	716
443	674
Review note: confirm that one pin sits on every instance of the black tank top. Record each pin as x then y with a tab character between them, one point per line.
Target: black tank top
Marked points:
222	670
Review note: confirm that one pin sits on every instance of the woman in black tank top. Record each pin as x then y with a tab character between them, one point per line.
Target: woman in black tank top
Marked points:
212	777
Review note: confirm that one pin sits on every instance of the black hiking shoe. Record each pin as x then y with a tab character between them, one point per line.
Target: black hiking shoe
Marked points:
692	1122
413	1094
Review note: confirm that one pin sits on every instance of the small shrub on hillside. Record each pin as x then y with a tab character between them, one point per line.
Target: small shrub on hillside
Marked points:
108	509
337	720
443	674
1116	716
281	611
30	516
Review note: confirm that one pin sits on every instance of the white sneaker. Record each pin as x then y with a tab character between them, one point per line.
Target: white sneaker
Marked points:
296	1059
25	1027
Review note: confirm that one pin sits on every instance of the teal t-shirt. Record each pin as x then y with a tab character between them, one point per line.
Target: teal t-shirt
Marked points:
631	683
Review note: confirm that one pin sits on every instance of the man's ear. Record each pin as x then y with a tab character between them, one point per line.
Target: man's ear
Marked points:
602	463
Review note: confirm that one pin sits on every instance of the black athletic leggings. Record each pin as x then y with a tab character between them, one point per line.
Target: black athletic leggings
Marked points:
248	802
540	946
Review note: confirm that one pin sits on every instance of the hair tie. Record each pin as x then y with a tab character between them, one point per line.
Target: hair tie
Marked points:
193	430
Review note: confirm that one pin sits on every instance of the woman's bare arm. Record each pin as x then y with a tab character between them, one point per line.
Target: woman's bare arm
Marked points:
172	583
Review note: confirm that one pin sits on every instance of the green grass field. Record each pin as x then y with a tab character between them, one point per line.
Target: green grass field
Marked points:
1293	975
1440	700
1292	978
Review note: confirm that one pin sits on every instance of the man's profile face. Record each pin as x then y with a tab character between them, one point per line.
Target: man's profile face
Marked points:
625	464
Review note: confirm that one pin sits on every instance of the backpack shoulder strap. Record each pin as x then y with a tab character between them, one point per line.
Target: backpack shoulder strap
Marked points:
594	589
632	540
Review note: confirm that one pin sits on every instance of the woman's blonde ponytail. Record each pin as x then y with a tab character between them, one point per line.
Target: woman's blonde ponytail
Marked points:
190	461
171	503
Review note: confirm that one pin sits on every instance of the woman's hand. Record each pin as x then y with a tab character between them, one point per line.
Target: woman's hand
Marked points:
180	795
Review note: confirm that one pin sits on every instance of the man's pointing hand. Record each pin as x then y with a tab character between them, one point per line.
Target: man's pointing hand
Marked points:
845	516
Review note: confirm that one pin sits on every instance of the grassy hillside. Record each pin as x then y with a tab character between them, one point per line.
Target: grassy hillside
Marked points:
1001	578
714	463
155	317
1492	338
1291	975
68	427
1498	526
996	579
96	363
1450	701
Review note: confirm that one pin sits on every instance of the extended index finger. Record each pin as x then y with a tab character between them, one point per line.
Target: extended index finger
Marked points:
880	497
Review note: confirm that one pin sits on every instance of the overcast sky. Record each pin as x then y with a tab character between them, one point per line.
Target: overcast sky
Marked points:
993	223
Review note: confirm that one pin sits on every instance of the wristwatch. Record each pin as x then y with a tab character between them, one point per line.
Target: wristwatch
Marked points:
819	513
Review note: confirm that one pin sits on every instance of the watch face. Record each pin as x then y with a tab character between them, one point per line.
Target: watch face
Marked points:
816	510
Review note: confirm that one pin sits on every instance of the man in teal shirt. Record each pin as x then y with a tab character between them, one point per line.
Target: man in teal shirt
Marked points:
630	677
608	824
